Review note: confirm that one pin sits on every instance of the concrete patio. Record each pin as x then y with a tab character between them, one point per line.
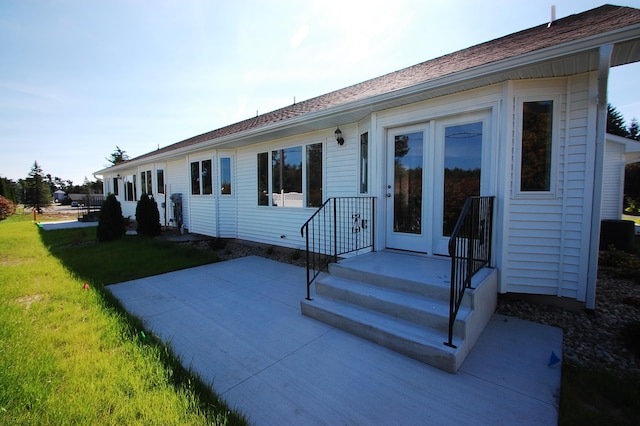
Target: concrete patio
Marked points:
238	325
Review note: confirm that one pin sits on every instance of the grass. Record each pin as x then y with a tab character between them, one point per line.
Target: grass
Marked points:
73	356
597	397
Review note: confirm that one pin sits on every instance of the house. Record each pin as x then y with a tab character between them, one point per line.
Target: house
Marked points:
519	120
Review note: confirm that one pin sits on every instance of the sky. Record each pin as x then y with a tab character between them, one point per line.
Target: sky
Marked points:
78	78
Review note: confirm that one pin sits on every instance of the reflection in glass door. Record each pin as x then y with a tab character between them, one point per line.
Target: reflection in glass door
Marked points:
462	164
407	184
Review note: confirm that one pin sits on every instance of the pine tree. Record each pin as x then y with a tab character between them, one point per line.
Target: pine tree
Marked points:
634	129
615	122
37	191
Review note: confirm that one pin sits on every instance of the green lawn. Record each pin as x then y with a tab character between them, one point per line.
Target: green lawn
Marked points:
70	355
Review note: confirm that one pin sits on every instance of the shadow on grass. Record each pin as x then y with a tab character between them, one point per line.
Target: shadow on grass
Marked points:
101	264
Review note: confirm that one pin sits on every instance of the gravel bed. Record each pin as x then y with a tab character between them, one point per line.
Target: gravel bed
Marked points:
591	338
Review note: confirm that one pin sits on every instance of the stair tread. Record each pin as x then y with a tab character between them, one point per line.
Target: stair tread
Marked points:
404	329
433	306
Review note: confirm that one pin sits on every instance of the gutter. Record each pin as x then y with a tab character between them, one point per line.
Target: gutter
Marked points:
606	52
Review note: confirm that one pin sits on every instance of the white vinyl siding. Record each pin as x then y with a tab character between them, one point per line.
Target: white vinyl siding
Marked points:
280	226
543	252
227	203
177	180
613	181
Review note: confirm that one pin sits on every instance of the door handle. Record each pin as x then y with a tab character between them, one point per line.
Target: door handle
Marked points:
388	195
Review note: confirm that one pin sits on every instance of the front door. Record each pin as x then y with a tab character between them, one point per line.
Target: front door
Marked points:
407	212
430	174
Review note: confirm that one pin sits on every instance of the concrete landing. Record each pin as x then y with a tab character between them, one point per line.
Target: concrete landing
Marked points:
238	324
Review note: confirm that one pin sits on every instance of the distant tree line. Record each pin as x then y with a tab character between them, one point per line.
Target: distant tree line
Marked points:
36	190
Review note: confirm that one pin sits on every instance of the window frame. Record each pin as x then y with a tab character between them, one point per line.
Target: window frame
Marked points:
221	171
556	100
364	163
146	184
130	187
200	189
268	159
159	181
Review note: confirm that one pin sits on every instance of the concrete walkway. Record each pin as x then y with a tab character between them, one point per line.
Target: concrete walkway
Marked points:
238	325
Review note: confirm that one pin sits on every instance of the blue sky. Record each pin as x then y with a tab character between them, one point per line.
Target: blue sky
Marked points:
79	77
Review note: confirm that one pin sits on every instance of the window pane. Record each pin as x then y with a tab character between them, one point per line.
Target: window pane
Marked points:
143	181
462	164
263	179
287	177
160	179
115	186
195	178
407	198
135	188
314	175
207	183
364	163
225	175
537	122
149	183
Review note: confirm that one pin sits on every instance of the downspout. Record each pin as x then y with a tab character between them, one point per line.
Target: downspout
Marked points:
601	128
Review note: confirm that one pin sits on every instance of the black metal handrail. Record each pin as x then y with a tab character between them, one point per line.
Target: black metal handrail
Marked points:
341	225
470	250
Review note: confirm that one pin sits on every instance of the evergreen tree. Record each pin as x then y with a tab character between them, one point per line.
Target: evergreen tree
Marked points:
615	122
634	129
8	189
111	223
118	156
148	216
37	191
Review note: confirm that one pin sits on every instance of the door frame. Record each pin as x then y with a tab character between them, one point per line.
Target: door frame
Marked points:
431	241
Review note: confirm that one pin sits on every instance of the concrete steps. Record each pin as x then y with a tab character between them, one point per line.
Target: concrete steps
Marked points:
402	302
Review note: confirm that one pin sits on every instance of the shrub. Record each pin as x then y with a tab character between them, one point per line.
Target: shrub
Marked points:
111	223
148	216
7	208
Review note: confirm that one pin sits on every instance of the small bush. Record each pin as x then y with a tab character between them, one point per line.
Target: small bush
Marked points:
148	216
111	225
7	208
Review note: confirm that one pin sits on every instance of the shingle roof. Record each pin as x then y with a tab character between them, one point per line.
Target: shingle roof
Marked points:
572	28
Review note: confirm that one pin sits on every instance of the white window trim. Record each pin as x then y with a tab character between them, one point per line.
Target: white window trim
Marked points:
555	148
231	168
200	161
304	146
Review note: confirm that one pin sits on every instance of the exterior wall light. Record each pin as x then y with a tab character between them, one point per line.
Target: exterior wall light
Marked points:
339	137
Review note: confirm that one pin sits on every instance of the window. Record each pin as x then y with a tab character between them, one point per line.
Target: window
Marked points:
225	175
145	182
160	181
314	175
537	135
201	177
286	172
130	188
263	179
291	170
195	178
364	163
115	186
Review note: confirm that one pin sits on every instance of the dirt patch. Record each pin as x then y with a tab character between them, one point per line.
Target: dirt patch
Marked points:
28	300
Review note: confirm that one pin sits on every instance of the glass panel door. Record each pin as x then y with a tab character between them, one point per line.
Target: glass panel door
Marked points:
459	156
406	191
